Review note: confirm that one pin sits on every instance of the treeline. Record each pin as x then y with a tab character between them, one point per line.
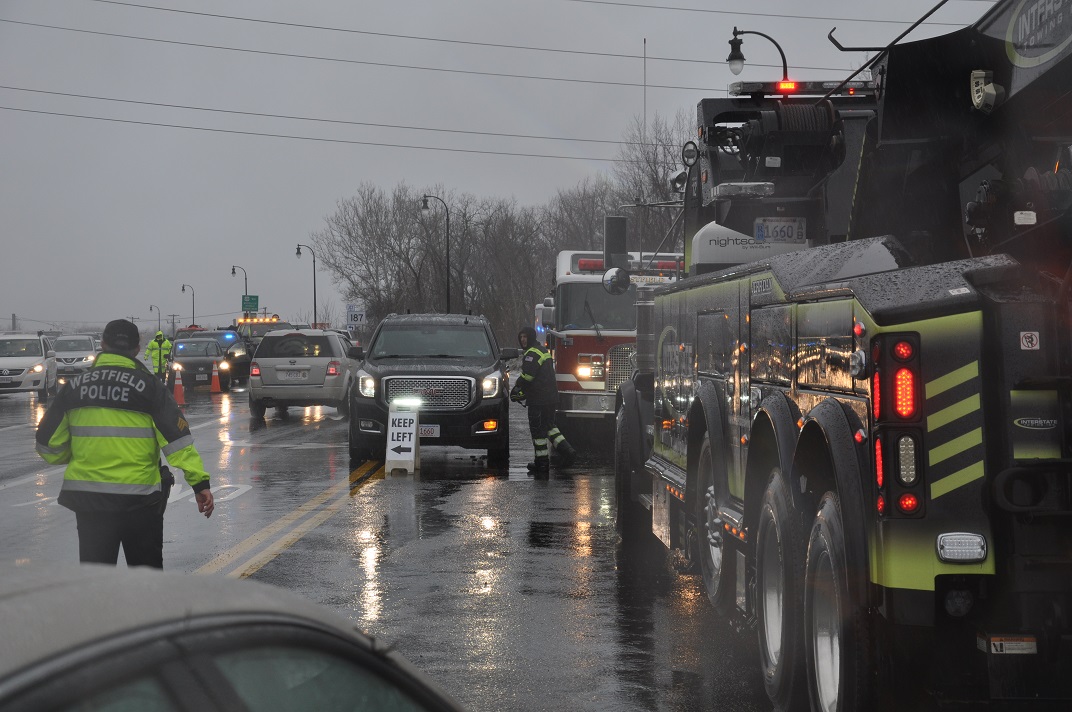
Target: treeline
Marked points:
387	253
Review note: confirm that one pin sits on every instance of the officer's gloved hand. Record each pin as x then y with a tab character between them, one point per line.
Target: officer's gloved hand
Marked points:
517	395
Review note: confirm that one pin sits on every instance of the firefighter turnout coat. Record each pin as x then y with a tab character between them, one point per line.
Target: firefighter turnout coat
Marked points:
538	384
109	425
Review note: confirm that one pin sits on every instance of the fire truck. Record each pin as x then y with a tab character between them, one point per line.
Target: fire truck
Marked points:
592	334
853	415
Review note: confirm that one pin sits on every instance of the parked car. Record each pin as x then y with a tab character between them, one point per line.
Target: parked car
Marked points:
28	364
453	365
75	353
238	351
299	368
100	638
195	358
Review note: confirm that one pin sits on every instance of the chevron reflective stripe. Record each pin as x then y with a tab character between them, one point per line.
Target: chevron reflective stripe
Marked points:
957	410
957	479
176	445
109	487
46	450
952	379
956	446
110	431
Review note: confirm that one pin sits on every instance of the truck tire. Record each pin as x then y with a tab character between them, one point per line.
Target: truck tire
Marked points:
716	561
780	595
836	632
632	519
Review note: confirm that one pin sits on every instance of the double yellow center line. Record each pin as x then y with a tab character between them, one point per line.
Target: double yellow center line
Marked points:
288	530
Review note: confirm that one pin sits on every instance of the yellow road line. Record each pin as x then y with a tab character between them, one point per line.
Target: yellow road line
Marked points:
228	557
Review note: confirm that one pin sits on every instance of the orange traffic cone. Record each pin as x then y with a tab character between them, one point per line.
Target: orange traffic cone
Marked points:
180	397
215	387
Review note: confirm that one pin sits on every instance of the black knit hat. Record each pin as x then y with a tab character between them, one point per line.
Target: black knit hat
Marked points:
121	335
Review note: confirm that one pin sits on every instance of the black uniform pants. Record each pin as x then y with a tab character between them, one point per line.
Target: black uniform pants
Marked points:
139	531
541	420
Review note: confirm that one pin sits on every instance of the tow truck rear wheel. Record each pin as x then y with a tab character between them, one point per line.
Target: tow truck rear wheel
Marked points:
716	561
632	520
780	595
837	642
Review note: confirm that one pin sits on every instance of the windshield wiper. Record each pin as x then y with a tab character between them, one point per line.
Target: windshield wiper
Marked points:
446	356
595	324
395	356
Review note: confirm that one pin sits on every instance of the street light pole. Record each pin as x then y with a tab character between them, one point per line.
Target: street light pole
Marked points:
298	254
159	326
193	304
446	210
736	58
245	288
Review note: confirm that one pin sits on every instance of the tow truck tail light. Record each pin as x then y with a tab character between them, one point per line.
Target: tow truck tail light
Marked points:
904	393
879	466
787	87
334	368
254	369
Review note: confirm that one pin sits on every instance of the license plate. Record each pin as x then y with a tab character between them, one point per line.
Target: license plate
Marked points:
780	230
200	376
293	375
428	431
6	379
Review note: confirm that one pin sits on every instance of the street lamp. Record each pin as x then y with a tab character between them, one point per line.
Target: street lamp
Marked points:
158	324
193	304
425	208
298	254
736	58
245	289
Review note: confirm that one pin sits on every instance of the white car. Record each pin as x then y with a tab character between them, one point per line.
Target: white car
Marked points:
27	364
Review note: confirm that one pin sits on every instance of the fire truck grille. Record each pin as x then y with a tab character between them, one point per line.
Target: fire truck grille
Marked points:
435	393
620	366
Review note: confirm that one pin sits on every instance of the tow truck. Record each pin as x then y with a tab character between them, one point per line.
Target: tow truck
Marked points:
592	335
853	415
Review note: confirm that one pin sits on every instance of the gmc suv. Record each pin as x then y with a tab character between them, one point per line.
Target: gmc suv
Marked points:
453	365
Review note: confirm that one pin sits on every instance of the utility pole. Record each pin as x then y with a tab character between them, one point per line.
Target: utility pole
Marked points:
173	317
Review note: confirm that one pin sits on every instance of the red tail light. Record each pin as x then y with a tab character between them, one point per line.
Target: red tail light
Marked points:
876	395
879	466
904	393
589	265
908	503
254	369
787	87
334	368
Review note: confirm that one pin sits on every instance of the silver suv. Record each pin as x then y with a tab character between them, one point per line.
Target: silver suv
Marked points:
300	367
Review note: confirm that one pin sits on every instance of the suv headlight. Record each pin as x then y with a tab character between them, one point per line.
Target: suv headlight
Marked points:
490	385
366	384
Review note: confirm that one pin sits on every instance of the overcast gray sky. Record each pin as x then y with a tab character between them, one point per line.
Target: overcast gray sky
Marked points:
101	218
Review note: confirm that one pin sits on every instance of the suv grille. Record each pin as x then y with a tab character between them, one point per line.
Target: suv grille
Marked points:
447	393
621	365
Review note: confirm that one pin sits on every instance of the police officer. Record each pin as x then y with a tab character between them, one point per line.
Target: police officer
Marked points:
157	351
108	425
537	387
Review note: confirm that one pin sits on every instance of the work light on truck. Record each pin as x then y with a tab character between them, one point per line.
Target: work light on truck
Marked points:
906	460
961	547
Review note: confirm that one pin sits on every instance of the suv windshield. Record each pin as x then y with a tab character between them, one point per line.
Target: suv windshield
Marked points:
294	346
20	347
74	343
431	341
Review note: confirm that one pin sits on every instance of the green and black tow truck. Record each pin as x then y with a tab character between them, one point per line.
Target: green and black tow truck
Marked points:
853	415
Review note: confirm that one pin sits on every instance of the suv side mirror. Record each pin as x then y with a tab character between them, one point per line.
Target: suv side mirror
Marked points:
507	354
356	353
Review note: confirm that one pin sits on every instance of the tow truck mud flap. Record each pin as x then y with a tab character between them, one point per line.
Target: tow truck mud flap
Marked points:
1017	670
660	512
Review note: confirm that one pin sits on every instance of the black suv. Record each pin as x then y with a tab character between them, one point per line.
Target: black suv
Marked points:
452	363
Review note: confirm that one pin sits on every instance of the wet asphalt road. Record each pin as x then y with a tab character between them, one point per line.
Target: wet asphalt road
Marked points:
510	592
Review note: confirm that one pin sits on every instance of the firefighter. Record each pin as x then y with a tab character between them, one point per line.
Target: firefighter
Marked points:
110	426
158	351
537	388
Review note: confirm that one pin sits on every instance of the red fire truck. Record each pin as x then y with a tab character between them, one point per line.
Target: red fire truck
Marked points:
592	334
